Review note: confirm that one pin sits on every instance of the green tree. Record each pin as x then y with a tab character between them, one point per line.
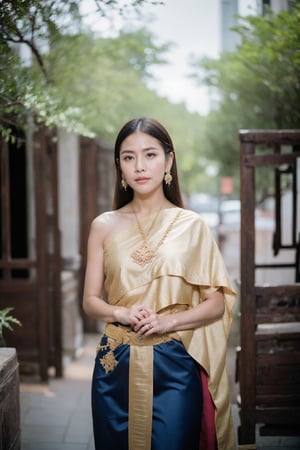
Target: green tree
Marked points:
26	84
90	84
256	87
104	78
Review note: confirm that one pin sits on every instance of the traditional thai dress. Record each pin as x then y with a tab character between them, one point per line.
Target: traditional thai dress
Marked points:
147	393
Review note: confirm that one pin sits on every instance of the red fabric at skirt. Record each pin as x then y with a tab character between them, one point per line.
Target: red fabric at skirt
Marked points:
208	440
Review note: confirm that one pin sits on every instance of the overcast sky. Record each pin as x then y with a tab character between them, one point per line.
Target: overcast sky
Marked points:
194	26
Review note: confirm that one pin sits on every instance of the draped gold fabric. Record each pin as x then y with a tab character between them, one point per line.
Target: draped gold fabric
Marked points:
187	267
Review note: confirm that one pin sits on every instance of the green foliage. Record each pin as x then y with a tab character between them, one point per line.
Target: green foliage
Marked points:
47	110
7	321
256	87
89	84
35	23
104	78
27	86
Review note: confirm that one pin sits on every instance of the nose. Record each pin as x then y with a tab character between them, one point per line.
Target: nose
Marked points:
139	166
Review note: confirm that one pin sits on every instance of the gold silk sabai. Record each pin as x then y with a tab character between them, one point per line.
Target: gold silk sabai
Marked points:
187	267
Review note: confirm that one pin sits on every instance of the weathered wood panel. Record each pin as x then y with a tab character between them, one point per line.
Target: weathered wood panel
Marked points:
269	359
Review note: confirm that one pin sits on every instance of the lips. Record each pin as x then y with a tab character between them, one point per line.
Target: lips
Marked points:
141	180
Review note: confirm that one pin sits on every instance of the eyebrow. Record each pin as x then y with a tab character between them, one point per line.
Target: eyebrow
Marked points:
146	149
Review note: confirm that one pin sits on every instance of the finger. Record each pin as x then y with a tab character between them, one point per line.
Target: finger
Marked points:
138	317
144	314
146	310
148	328
142	328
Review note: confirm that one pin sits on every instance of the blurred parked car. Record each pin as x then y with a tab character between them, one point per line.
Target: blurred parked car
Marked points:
230	214
207	207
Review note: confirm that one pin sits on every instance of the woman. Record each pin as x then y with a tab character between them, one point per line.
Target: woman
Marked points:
159	378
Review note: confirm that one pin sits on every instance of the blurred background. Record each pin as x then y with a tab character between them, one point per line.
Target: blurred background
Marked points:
72	72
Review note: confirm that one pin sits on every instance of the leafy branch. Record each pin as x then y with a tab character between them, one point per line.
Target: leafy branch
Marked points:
7	321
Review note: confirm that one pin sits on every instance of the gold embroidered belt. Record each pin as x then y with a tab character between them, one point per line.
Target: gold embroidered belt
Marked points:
140	379
124	335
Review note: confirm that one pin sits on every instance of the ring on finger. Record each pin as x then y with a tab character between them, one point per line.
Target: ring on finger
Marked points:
150	326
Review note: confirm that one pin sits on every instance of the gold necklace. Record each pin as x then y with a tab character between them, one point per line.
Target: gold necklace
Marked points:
145	253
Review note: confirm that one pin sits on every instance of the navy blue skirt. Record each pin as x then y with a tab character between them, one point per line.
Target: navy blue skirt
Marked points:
177	399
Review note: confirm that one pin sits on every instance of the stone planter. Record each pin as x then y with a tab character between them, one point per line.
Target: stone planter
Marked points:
10	431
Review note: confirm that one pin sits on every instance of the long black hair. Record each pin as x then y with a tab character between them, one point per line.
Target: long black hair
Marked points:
155	129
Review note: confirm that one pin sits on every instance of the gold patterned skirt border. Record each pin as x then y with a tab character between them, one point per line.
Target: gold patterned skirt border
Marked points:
140	379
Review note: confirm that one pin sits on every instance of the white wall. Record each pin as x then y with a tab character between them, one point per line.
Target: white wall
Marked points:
68	175
68	186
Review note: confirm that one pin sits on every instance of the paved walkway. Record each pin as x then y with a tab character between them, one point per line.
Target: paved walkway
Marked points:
57	416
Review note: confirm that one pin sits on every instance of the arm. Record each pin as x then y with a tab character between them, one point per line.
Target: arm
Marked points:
208	311
93	305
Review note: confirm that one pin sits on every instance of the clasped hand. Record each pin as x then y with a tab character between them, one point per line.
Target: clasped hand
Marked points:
144	321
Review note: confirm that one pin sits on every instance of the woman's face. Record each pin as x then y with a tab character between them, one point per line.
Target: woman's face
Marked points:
143	162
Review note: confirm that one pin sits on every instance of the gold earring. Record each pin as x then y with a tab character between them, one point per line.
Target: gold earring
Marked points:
124	184
168	178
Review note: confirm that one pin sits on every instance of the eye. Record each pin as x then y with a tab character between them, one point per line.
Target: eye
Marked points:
151	155
127	158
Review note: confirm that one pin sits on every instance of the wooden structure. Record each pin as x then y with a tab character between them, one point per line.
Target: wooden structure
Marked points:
269	358
51	189
30	266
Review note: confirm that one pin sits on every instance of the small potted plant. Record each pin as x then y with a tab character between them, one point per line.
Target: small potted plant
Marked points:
7	321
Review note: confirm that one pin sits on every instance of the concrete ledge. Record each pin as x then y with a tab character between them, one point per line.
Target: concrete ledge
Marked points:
10	430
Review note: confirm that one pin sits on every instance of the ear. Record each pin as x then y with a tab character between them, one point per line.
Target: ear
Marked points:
169	161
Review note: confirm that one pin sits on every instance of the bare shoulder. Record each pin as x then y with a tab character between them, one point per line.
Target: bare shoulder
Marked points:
104	219
110	222
103	222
